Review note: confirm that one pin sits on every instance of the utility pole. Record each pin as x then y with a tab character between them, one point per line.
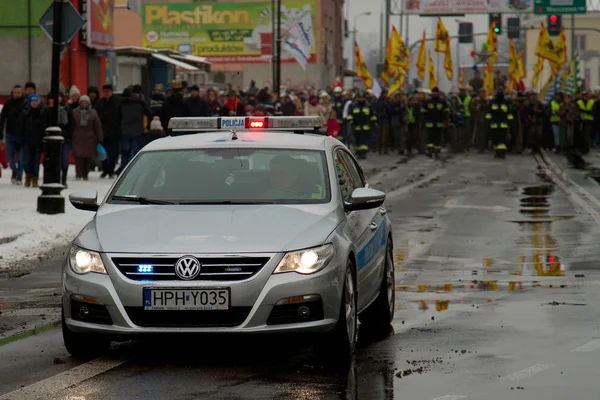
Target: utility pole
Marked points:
277	83
386	22
51	201
573	41
273	53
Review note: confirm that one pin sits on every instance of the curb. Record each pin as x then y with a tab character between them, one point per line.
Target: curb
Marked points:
11	338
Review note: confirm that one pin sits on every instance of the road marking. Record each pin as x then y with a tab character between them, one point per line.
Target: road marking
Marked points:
591	346
405	189
64	380
44	290
450	397
454	204
526	373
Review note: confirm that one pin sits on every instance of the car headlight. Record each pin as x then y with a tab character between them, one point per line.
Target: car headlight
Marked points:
85	261
306	261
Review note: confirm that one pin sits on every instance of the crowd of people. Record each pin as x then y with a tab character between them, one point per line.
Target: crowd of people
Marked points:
421	122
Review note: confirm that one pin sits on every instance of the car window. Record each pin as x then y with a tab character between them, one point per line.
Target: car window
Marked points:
354	170
277	176
345	180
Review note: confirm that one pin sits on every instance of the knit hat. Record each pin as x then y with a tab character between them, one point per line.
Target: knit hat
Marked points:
74	90
33	97
85	98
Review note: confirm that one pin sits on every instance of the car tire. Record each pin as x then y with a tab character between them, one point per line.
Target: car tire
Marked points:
83	345
339	344
377	318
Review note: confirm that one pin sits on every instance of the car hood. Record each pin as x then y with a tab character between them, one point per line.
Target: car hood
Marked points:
212	229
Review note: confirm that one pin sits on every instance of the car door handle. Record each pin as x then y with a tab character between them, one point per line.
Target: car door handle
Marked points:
373	226
382	210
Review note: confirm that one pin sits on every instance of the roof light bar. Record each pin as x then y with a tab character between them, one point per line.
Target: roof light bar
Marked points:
198	124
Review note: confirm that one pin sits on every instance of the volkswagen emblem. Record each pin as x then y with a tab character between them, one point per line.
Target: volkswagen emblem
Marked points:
187	268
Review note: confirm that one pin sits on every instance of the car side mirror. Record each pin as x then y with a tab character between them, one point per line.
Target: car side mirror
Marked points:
365	199
86	200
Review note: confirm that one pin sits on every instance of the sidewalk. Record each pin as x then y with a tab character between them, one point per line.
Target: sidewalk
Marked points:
25	235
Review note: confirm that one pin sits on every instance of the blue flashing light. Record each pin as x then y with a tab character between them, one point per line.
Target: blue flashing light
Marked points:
145	268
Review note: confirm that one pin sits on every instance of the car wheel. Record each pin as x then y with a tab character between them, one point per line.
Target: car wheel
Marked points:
379	315
83	345
339	343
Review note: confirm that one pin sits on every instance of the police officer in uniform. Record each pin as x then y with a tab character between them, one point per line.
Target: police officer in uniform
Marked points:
435	110
362	118
586	111
499	118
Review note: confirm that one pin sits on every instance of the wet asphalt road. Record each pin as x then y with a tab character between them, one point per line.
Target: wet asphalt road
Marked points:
497	298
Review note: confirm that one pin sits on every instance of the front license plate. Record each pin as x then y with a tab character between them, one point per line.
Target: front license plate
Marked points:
186	299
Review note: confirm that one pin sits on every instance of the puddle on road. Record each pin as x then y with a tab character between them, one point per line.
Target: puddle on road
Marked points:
538	257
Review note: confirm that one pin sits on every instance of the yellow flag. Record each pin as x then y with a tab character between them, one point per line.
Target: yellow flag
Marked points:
555	53
512	63
432	76
399	56
537	69
448	66
546	87
492	42
361	68
422	58
560	47
442	37
521	73
398	83
488	79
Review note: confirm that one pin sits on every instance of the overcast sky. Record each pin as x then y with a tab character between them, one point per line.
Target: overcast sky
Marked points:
369	31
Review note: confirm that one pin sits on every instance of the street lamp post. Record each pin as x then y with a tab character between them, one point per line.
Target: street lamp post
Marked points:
354	38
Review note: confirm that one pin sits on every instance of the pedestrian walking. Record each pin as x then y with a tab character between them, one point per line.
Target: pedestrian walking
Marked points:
86	136
34	123
10	132
109	111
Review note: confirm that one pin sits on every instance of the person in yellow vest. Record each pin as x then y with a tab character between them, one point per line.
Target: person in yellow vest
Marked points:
363	120
555	120
413	140
464	99
586	109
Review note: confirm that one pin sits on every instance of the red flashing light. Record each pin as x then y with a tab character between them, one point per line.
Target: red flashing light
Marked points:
257	124
553	19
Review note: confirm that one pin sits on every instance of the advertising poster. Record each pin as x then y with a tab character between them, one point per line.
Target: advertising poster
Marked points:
228	32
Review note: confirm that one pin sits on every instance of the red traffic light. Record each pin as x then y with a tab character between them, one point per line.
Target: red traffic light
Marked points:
553	19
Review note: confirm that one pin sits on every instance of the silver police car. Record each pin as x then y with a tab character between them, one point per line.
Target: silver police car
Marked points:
232	225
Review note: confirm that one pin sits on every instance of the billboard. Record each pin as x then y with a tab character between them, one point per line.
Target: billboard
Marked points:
100	24
225	32
440	7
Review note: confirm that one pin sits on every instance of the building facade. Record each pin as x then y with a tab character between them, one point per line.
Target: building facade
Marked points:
27	50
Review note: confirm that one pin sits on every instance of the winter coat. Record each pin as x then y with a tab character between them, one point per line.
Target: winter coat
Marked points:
86	138
174	107
34	122
157	101
66	121
109	111
216	109
197	107
10	116
133	110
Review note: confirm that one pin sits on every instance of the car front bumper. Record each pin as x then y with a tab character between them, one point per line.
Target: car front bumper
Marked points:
259	294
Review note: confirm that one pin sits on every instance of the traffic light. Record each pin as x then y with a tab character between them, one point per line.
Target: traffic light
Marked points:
496	18
465	32
554	25
513	27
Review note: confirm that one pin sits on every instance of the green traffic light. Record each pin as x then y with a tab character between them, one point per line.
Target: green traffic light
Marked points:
496	30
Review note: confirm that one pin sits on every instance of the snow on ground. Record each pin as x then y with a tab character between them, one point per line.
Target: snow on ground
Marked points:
26	234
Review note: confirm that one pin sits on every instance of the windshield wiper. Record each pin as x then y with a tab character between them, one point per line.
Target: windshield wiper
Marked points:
226	202
140	200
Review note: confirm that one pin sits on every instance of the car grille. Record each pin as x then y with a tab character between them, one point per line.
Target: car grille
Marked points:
189	318
212	269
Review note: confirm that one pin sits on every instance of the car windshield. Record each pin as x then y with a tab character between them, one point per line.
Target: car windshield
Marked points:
225	176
